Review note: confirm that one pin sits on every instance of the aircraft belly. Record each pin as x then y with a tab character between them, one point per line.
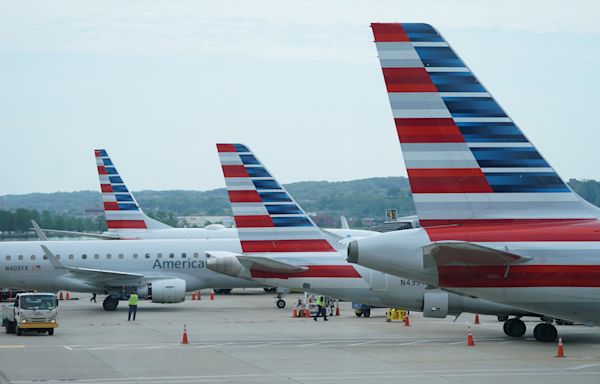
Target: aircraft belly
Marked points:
566	303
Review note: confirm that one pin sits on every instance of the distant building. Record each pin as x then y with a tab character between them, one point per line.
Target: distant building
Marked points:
201	221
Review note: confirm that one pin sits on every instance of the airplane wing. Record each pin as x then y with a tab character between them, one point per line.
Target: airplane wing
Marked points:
448	253
95	275
38	231
86	234
269	265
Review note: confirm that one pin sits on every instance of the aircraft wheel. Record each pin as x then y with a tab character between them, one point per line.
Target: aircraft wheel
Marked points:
280	303
358	312
514	328
367	312
545	332
110	303
50	332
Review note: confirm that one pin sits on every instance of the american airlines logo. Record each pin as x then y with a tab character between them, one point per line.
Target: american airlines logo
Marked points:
177	264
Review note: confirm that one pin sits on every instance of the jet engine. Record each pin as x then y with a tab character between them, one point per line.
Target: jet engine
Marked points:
227	265
167	291
435	304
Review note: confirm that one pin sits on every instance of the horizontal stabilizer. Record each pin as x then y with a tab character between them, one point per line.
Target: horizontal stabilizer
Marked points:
266	264
450	253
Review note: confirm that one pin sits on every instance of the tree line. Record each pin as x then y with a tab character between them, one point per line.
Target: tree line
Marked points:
19	221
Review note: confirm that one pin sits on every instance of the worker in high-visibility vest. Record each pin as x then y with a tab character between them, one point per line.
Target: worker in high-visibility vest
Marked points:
133	304
321	308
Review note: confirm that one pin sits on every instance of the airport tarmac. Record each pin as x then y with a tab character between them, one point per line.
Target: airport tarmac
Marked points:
242	338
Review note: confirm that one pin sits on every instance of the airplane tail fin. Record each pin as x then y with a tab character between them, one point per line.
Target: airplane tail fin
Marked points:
267	218
120	207
467	160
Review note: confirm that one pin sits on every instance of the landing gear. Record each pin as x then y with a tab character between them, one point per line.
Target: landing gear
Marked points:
280	303
514	327
269	289
110	303
502	317
545	332
223	291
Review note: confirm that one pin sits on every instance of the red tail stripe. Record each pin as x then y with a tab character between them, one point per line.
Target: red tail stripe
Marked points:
452	180
319	271
318	245
480	222
125	224
97	153
408	80
111	206
234	171
106	188
253	221
244	197
574	230
520	276
101	170
226	148
428	131
388	32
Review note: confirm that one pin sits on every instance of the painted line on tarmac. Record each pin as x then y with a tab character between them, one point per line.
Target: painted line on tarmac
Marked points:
265	344
584	366
12	346
364	343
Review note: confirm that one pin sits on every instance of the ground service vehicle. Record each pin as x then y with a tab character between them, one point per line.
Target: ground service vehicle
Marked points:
31	311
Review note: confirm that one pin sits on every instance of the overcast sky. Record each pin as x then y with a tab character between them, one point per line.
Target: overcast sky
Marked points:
158	83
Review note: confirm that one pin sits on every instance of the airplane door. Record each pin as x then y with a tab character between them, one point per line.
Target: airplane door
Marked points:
378	281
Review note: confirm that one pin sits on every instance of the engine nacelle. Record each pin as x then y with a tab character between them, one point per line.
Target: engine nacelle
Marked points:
168	291
227	265
435	304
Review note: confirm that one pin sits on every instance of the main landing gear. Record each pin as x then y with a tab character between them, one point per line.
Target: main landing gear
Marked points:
545	332
110	303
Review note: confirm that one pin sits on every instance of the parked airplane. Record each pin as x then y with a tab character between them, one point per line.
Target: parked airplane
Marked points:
283	247
126	220
499	223
162	270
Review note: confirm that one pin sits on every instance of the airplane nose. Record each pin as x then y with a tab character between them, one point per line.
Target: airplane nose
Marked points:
352	252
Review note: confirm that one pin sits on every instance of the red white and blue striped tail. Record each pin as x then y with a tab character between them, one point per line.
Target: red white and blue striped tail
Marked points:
267	218
120	208
467	160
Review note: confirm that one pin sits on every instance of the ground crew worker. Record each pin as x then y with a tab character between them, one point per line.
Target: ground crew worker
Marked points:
133	304
93	298
321	308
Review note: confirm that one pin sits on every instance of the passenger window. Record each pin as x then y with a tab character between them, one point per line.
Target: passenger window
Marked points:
183	255
32	257
7	257
43	257
196	254
58	257
147	255
159	255
96	256
135	255
20	257
120	255
171	255
108	256
70	257
84	256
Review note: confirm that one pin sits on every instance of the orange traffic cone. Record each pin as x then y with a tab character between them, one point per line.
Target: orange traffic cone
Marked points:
67	297
199	296
60	297
406	320
307	312
476	320
184	339
560	352
193	296
212	294
337	310
470	341
295	312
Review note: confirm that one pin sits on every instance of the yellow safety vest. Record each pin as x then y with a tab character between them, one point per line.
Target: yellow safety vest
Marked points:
133	299
321	301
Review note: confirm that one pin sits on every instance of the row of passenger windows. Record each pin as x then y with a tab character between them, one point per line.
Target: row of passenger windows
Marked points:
108	256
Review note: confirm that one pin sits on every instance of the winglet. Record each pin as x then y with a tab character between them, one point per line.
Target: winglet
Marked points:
38	231
344	222
53	259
